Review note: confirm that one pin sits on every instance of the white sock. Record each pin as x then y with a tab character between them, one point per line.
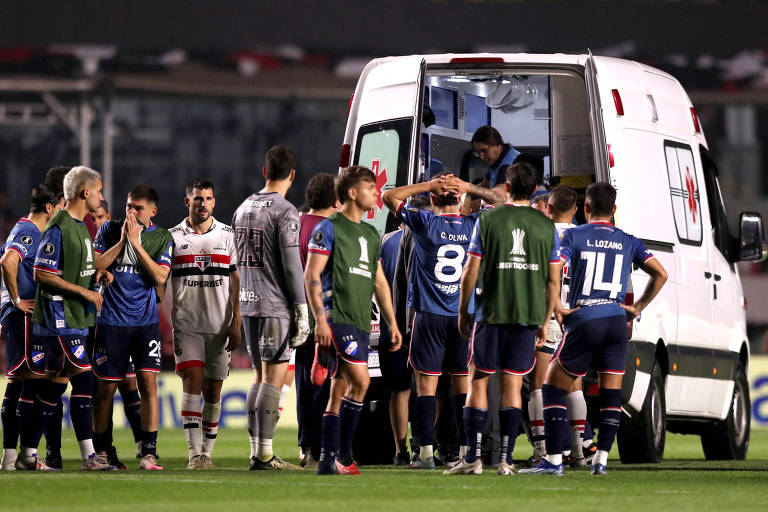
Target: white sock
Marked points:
250	416
555	459
211	416
601	457
191	417
577	416
86	448
28	452
463	451
536	415
426	452
9	454
283	394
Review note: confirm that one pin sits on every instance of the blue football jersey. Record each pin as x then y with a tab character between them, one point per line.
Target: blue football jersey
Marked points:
23	240
48	259
439	254
601	258
390	246
131	300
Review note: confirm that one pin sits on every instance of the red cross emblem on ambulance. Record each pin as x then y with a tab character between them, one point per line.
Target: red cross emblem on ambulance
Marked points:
691	188
381	181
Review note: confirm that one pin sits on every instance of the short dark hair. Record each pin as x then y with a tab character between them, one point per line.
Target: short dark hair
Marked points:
279	162
54	178
201	183
42	195
104	204
487	135
320	192
442	200
420	202
602	198
536	161
351	177
521	178
562	198
147	193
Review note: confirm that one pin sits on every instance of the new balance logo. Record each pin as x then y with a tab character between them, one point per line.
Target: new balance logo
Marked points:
517	242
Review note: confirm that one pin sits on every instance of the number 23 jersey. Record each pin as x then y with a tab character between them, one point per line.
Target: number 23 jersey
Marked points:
200	277
601	257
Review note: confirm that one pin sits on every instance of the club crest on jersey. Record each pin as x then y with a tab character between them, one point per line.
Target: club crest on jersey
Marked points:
518	235
203	262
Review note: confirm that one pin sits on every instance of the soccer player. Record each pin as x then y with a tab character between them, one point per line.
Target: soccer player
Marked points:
441	239
63	311
272	299
561	208
138	253
601	257
311	399
18	300
205	316
102	215
343	271
513	261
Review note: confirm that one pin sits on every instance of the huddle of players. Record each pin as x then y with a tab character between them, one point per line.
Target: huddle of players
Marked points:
507	259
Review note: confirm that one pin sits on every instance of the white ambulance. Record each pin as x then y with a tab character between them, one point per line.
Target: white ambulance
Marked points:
594	119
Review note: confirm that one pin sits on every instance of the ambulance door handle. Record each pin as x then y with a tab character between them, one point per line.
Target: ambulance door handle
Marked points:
717	277
707	275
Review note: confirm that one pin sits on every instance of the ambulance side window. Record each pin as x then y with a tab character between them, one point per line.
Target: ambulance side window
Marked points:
721	234
684	192
384	148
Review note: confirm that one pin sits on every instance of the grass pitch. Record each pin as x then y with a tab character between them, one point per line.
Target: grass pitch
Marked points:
684	481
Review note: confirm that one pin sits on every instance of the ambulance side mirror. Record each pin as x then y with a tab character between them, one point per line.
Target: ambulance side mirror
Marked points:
752	246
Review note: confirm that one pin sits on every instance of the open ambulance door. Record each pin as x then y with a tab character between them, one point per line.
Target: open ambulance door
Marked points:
599	145
387	106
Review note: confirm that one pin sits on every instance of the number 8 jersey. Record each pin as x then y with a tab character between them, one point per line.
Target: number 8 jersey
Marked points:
439	254
601	257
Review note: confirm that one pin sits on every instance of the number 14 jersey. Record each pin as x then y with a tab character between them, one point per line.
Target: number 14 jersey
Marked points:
601	257
439	253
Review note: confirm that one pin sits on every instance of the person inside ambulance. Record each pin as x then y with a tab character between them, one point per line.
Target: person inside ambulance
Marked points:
488	146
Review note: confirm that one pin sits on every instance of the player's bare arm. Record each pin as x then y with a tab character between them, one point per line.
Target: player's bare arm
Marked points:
9	269
384	299
106	258
468	282
314	287
552	292
490	196
234	336
158	273
55	281
392	198
658	277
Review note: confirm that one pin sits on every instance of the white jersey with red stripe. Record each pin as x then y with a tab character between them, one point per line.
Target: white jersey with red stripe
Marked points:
200	277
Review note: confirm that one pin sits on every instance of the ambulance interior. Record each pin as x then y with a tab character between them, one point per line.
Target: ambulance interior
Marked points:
543	114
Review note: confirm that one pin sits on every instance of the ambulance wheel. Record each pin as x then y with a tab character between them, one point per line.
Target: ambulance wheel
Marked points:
728	439
642	437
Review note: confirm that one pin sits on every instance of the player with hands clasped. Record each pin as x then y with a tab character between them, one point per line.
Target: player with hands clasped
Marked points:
205	316
272	300
601	257
343	271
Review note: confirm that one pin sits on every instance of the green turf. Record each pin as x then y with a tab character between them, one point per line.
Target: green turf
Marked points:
684	481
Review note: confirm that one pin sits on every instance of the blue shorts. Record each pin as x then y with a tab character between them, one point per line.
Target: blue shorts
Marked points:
116	347
66	347
507	346
23	350
437	344
600	343
350	343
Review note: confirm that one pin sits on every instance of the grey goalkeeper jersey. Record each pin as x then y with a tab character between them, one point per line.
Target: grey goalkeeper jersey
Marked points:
267	239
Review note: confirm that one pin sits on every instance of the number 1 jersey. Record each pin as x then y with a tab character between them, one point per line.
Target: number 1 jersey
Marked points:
439	254
601	257
263	224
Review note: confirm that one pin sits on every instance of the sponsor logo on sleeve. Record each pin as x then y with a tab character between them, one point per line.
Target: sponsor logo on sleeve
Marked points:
26	240
293	226
317	237
48	249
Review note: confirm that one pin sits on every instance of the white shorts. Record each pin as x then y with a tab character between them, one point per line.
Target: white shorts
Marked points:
554	336
202	350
